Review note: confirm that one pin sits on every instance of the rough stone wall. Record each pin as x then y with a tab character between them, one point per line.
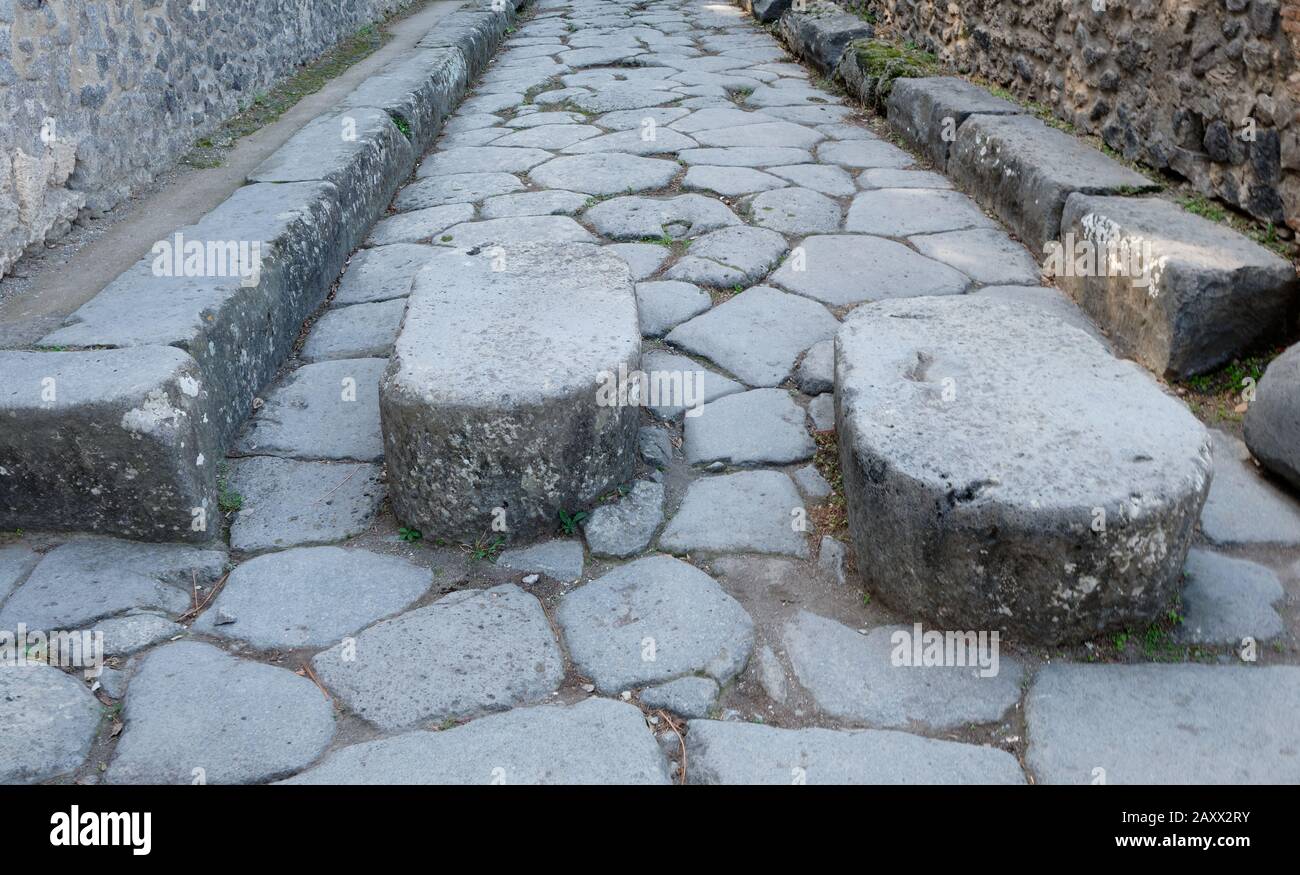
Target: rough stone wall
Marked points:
1208	89
97	96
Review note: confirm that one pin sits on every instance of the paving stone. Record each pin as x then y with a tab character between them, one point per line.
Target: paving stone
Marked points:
548	136
771	674
772	133
87	580
1047	298
655	446
1226	600
290	503
758	334
47	724
669	372
514	231
1164	724
605	173
467	653
598	56
456	189
480	137
596	741
359	331
1273	418
750	753
481	159
816	373
795	211
746	156
626	119
559	559
327	410
193	706
722	118
759	427
809	114
620	96
382	273
798	94
833	181
534	203
419	226
729	180
873	678
1118	505
491	102
311	596
469	121
821	410
844	269
112	682
643	259
134	631
664	305
729	257
857	154
888	177
690	697
831	558
811	483
902	212
1243	507
627	526
655	141
680	217
745	512
987	255
15	563
553	117
692	626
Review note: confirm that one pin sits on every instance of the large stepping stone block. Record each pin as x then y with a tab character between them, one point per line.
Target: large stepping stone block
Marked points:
927	111
1177	292
1272	423
113	441
1023	171
1164	724
495	396
994	476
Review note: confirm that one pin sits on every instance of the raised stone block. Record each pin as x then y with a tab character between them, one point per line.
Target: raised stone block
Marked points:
767	11
820	34
420	89
1273	420
1177	292
498	402
474	32
994	476
1023	171
927	111
113	441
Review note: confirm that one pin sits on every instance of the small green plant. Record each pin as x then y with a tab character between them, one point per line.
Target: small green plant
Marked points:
485	549
1203	207
402	125
569	522
228	500
409	535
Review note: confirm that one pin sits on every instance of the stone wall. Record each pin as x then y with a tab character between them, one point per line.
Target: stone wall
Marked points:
96	96
1207	89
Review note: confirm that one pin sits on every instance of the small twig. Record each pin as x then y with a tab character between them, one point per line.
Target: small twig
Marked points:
198	608
336	488
315	680
680	738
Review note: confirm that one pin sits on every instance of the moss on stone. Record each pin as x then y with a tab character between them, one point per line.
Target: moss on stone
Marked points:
881	62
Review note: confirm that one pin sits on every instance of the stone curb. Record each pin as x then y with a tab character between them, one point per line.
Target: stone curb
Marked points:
222	334
820	34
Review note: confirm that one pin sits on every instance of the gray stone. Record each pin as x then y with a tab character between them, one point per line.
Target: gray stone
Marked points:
1201	295
845	269
134	631
767	11
1093	517
593	742
758	334
605	173
15	563
1272	424
759	427
112	682
791	94
467	653
771	133
821	32
1049	299
719	118
534	203
692	626
382	273
87	580
457	189
749	512
327	410
1243	507
986	255
795	211
654	444
1226	600
680	217
771	674
46	725
875	680
729	257
831	557
856	154
627	119
811	483
312	596
1023	171
643	259
291	503
359	331
627	526
419	226
816	373
690	697
926	111
821	410
634	142
677	378
1164	724
664	305
470	425
481	159
901	212
810	114
558	559
622	96
549	136
745	156
193	706
749	753
729	181
834	181
514	231
555	117
889	177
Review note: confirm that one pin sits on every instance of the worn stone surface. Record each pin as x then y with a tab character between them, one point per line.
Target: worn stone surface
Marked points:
16	561
678	378
859	154
514	231
559	559
382	273
534	203
811	483
643	259
986	255
690	697
481	159
926	111
730	257
1272	424
816	373
1047	298
820	32
460	188
821	412
664	305
829	180
758	427
729	181
844	269
133	631
795	211
605	173
634	218
47	723
1226	600
902	212
626	526
419	226
745	512
1243	507
361	331
290	503
692	626
655	446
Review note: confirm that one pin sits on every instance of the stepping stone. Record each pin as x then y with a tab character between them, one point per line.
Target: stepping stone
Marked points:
729	257
456	189
655	446
627	526
596	741
558	559
684	385
664	305
514	231
382	273
795	211
746	156
846	269
1057	472
901	212
759	427
681	217
359	331
655	141
627	119
534	203
767	134
193	706
690	697
1273	418
467	653
1164	724
311	596
528	434
1049	299
134	631
643	259
834	181
15	564
758	334
719	119
47	725
729	180
745	512
548	136
821	410
876	679
986	255
605	173
654	620
1243	507
86	580
811	483
856	154
1226	600
480	159
750	753
816	373
419	226
290	503
327	410
888	177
